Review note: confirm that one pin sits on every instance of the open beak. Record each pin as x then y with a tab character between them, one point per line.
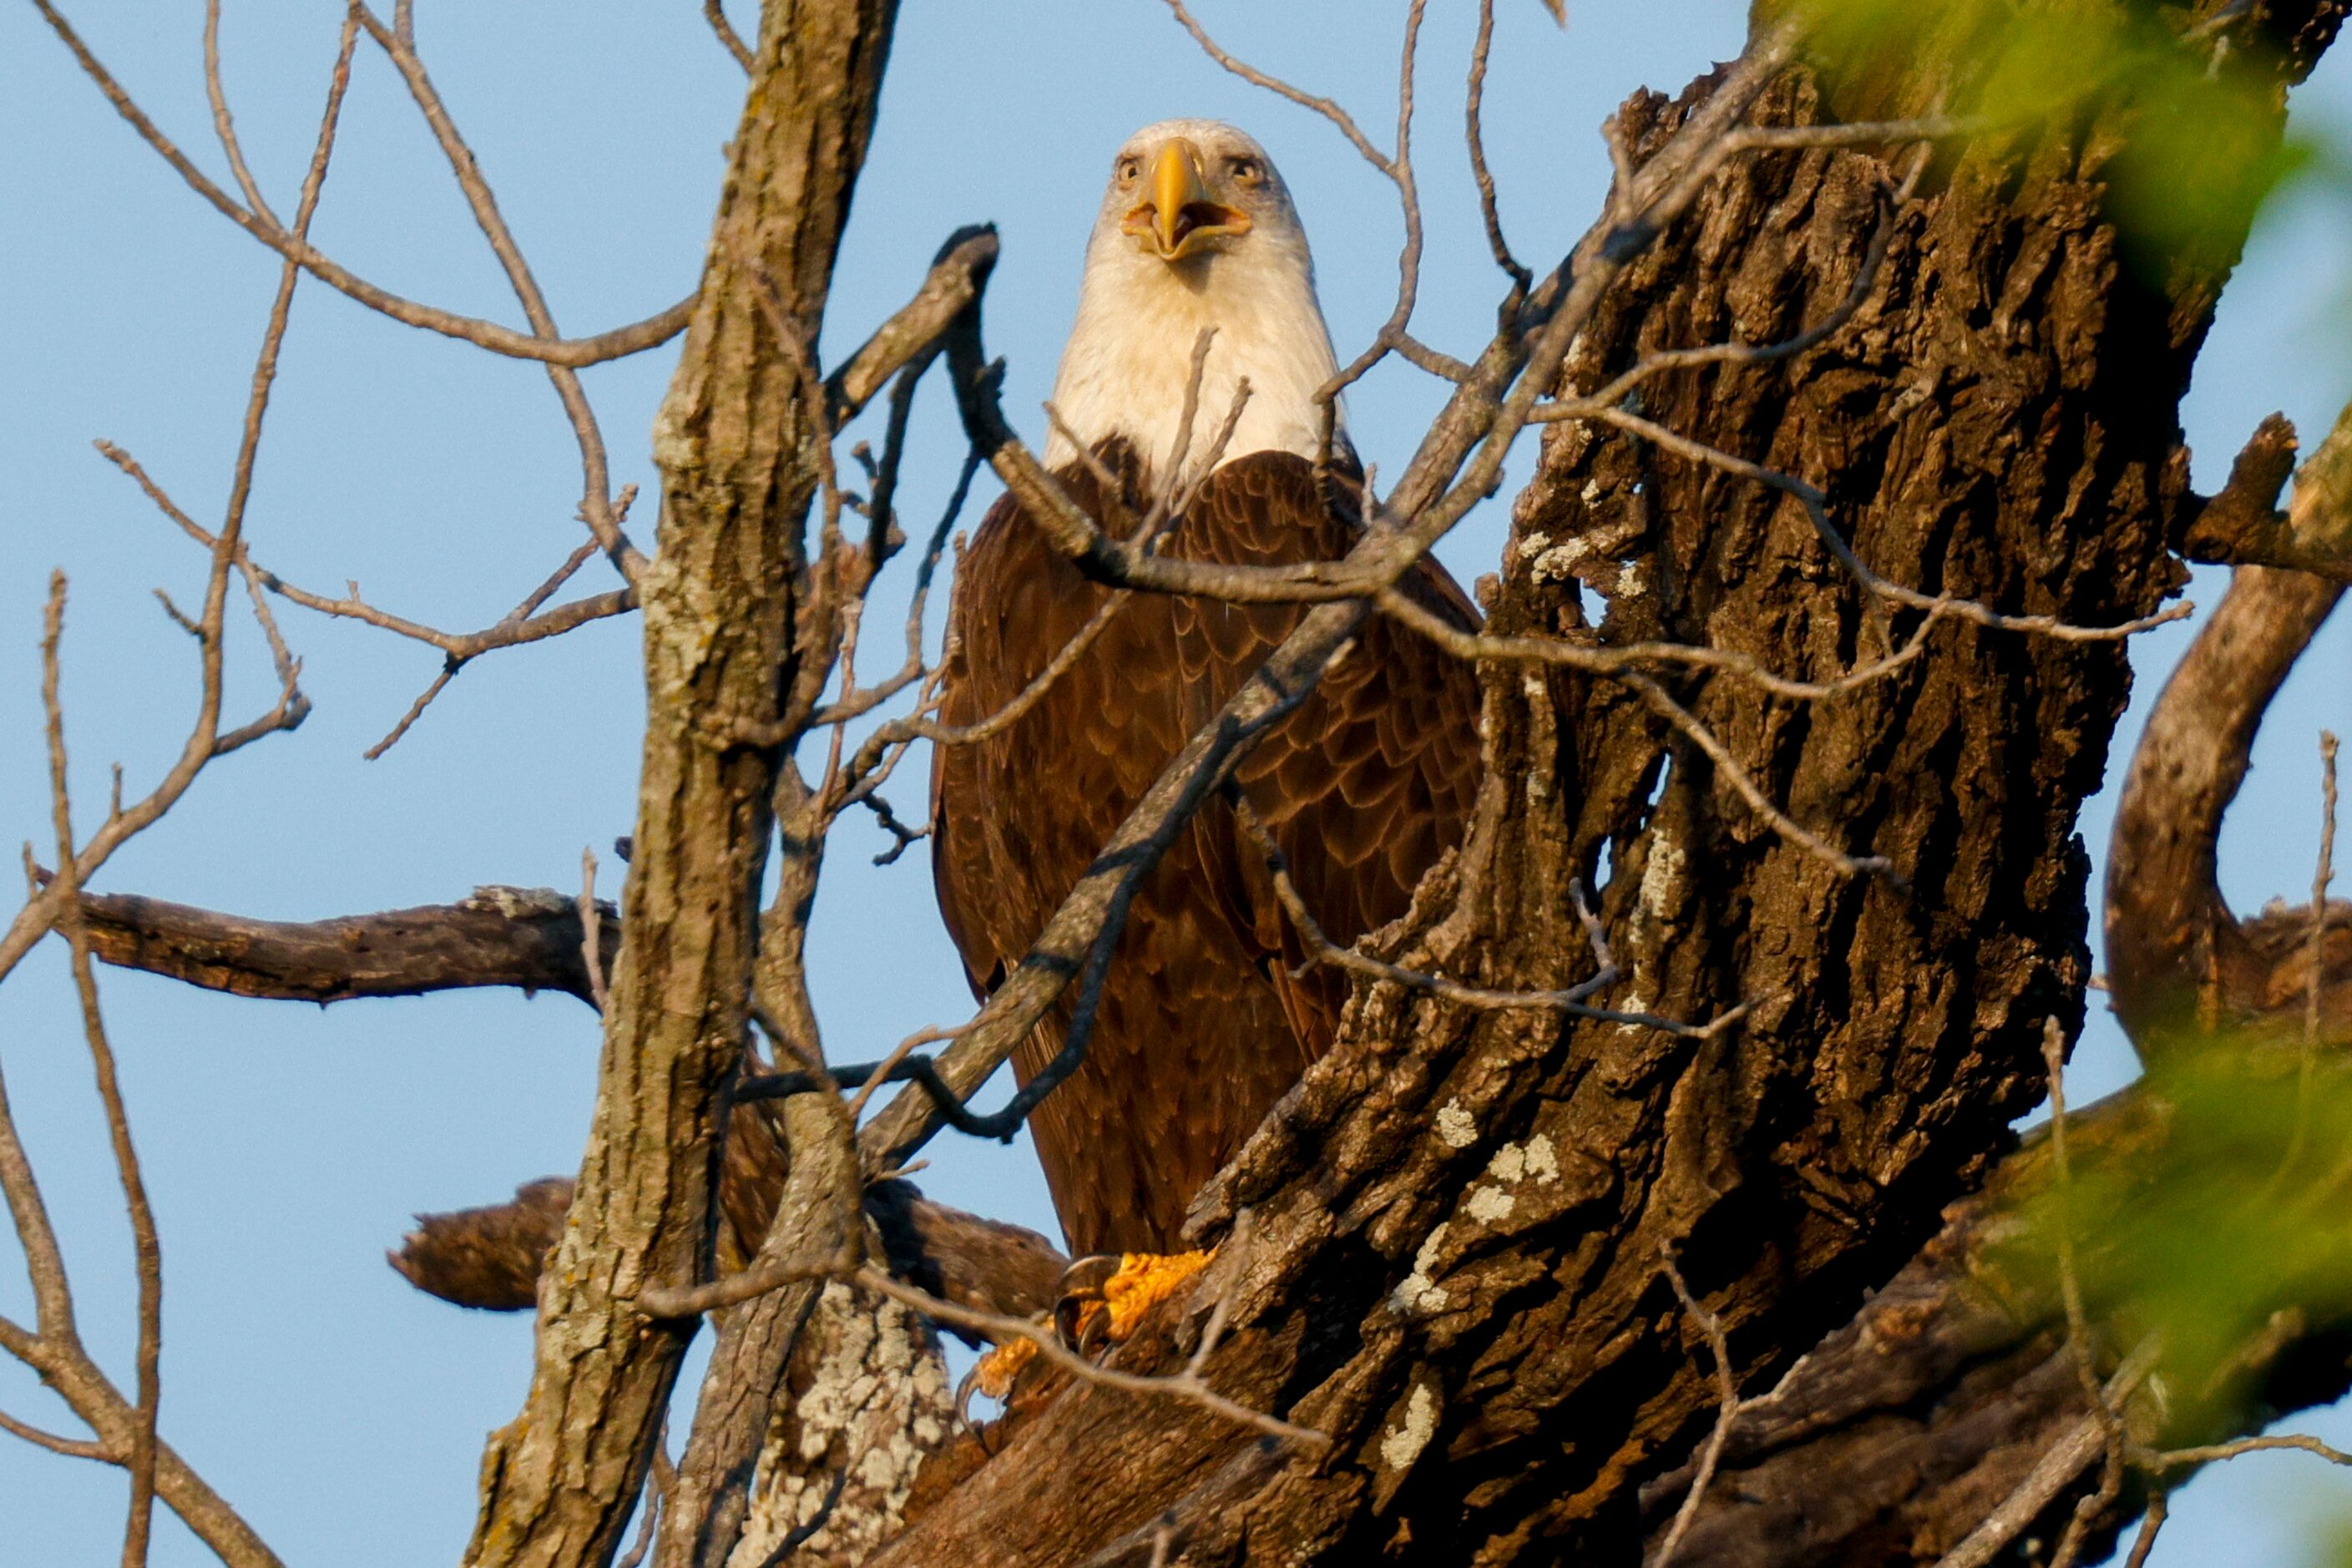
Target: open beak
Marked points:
1181	217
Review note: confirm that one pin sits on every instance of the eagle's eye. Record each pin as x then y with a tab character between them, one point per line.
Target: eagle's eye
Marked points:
1128	170
1245	171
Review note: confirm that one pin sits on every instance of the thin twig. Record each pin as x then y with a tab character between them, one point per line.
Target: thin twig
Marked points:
1394	335
224	125
635	338
713	13
2314	989
146	1246
2078	1331
69	1448
597	494
661	1481
1609	661
1474	133
889	1067
2160	1507
1237	1245
1727	1387
2062	1461
1762	805
1321	949
2175	1458
592	935
1325	107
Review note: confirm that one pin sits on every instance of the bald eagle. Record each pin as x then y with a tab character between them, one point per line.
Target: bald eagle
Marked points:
1203	1022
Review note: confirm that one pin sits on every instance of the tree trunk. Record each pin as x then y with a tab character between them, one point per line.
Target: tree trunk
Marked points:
1463	1220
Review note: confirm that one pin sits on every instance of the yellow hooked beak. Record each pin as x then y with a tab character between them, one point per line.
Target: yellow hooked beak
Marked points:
1181	217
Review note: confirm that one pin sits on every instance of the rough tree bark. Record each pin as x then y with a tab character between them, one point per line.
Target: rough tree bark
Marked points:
1891	1441
1463	1220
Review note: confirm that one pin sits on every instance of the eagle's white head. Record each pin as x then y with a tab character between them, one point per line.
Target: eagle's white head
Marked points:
1196	230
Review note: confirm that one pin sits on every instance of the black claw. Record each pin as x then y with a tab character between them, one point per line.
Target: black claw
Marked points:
1081	1283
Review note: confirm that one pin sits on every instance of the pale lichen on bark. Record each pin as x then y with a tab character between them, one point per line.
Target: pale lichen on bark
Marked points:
846	1450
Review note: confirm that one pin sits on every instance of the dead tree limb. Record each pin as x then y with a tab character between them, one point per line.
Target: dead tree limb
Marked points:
525	937
491	1256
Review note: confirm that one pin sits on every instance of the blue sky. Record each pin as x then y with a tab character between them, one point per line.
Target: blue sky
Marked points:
287	1146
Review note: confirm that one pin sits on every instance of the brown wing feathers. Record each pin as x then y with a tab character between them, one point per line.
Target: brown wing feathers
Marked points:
1201	1027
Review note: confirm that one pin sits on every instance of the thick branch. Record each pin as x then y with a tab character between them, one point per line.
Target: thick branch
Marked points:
2177	961
491	1257
1893	1439
526	937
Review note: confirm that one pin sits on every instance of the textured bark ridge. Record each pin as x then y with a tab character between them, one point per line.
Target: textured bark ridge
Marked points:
1895	1437
1460	1221
866	1404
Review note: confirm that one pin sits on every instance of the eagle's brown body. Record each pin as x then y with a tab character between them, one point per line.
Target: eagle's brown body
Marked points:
1202	1026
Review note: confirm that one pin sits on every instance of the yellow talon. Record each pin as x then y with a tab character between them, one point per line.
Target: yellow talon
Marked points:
1104	1298
1144	1279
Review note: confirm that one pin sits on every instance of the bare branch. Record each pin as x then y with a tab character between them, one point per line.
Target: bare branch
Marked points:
517	627
531	938
597	495
2321	877
2062	1462
2173	1458
1521	279
205	740
912	335
2177	961
2241	526
145	1246
2079	1346
68	1447
1730	766
2159	1507
125	1432
223	125
1726	1409
1321	949
716	14
572	353
1325	107
591	939
1612	661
